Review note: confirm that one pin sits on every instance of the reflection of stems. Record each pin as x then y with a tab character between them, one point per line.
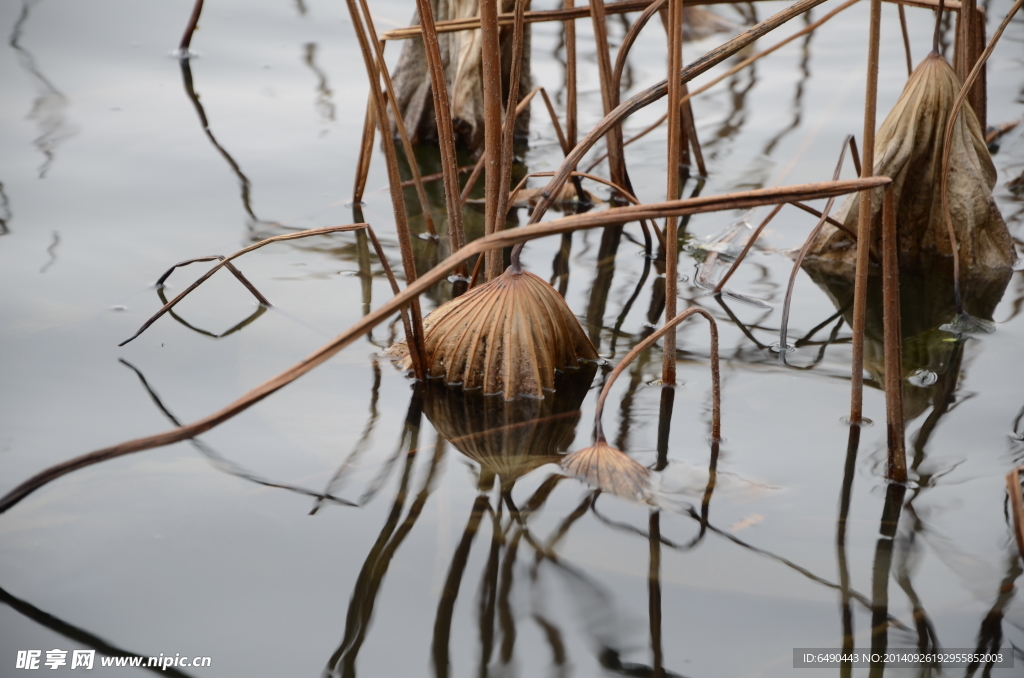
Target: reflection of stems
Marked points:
364	595
5	212
339	475
927	639
894	494
221	462
446	606
243	181
990	635
846	611
654	592
323	101
77	634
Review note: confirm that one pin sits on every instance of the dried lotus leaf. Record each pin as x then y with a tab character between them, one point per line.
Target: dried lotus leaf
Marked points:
908	149
508	336
610	470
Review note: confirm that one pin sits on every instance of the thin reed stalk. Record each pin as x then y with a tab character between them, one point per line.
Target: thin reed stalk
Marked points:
570	12
663	331
798	262
445	135
225	262
365	152
867	167
491	48
947	148
674	27
511	113
231	267
897	466
906	39
569	26
403	134
407	296
608	98
414	326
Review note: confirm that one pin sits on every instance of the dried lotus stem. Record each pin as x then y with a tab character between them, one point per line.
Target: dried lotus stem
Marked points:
511	113
611	469
445	132
897	468
193	22
225	262
231	267
491	50
414	326
867	166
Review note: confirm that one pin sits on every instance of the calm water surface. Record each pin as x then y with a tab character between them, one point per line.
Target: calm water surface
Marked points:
419	561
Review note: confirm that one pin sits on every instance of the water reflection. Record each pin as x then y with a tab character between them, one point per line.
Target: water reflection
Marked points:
78	634
50	106
5	211
324	105
243	181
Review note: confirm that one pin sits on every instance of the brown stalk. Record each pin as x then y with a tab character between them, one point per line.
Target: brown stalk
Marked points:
1017	506
786	304
611	469
732	71
511	113
609	100
906	39
674	27
867	166
422	284
216	257
186	38
627	43
970	41
947	147
445	134
365	152
746	248
716	387
897	469
414	325
225	262
491	47
569	26
403	134
656	92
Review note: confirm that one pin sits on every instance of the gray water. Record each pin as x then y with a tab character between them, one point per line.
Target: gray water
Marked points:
210	549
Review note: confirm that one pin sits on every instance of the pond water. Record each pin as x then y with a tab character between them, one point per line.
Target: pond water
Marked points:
417	562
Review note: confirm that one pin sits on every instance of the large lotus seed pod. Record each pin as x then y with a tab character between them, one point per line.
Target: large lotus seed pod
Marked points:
611	470
508	336
908	148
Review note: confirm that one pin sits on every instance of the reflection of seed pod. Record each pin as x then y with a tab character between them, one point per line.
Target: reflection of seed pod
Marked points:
510	437
908	148
612	470
508	336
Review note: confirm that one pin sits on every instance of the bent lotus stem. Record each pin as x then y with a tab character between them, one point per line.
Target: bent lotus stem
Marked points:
716	384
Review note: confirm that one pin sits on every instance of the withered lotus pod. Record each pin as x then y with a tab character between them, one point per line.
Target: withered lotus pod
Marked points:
609	469
507	336
908	148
